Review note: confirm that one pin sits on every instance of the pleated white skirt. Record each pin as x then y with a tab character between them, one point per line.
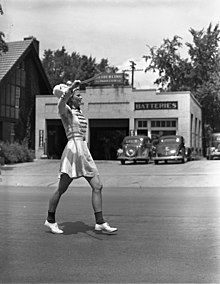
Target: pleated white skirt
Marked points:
76	160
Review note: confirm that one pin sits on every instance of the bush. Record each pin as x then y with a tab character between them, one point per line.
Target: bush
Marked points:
15	153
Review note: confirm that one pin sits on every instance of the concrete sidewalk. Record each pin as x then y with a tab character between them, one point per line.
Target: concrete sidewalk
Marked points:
44	173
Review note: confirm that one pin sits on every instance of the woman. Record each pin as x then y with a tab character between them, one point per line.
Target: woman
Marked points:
76	160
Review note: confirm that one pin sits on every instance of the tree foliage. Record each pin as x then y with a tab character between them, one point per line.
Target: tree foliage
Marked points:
199	73
204	55
61	66
169	64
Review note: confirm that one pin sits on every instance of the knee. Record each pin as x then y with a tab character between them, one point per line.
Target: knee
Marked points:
98	187
61	190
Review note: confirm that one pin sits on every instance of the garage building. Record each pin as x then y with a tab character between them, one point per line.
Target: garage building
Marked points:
114	111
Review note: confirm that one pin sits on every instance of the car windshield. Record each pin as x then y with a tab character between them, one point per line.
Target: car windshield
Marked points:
133	140
215	140
170	140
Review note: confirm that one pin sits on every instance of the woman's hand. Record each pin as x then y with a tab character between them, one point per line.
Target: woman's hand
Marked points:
75	85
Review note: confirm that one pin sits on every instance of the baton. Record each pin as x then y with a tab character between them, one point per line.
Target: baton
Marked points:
91	79
59	89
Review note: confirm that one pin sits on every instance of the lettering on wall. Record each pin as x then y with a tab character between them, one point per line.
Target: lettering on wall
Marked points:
41	138
155	105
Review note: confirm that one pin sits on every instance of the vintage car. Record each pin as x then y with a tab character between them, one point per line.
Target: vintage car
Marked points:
171	148
213	149
135	148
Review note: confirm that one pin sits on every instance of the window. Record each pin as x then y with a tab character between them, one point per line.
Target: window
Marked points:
7	111
158	123
11	91
17	97
22	78
142	123
12	112
2	110
18	77
12	80
17	113
3	100
12	132
12	95
8	94
163	124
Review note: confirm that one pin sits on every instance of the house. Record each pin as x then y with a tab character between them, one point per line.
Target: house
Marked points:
22	77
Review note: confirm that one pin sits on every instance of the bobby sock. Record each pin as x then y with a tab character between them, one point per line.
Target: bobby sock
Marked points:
99	218
51	217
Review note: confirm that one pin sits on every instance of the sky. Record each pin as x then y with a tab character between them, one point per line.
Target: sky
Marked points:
118	30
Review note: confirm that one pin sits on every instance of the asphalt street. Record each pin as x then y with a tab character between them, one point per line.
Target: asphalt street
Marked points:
166	234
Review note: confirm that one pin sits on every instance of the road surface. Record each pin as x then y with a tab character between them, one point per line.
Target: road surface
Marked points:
167	234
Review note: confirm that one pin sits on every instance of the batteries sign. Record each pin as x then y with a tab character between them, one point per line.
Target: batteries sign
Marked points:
155	105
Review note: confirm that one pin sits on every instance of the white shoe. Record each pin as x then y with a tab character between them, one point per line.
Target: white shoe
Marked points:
53	227
105	228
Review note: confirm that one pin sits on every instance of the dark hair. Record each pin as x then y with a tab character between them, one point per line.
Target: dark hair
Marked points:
69	100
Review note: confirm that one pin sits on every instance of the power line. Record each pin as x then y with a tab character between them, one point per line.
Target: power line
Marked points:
132	70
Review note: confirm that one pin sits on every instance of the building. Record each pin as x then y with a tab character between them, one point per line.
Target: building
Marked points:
22	77
116	111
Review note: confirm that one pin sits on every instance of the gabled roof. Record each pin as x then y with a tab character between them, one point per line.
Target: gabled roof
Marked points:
9	58
16	51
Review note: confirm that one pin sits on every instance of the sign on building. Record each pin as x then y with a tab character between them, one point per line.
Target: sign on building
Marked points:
155	105
109	78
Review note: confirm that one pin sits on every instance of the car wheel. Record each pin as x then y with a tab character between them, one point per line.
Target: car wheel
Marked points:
147	161
135	161
122	162
156	162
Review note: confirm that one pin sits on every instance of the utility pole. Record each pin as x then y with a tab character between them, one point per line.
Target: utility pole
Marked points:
132	73
132	70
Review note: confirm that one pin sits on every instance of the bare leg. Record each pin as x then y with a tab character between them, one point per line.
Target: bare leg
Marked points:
96	186
50	222
64	182
100	225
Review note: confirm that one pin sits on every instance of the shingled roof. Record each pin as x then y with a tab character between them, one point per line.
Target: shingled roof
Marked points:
16	50
9	58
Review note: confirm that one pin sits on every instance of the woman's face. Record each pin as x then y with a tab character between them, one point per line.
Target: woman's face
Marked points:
76	99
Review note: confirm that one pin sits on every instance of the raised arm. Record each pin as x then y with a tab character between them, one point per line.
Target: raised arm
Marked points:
66	93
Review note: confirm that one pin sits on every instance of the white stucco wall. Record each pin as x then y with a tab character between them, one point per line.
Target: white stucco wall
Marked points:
119	103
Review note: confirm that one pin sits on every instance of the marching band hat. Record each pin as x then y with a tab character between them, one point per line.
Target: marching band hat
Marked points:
58	90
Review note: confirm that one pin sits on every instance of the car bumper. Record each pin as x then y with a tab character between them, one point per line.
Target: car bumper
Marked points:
215	154
136	158
163	158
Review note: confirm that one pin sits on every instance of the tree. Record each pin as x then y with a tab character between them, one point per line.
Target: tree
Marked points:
3	45
204	55
205	75
61	66
169	64
176	73
200	73
208	96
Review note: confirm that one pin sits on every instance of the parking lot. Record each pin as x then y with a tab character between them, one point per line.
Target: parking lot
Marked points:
197	173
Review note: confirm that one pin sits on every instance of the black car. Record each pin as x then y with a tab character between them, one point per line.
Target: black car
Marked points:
135	148
171	148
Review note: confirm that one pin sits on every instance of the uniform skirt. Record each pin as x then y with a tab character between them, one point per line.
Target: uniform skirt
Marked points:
76	160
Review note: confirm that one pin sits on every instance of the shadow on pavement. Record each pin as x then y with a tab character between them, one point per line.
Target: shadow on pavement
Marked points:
71	228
